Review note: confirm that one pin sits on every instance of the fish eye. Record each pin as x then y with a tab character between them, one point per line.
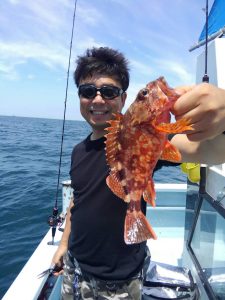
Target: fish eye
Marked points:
144	92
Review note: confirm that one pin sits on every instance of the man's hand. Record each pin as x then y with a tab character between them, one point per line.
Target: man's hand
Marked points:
204	106
58	259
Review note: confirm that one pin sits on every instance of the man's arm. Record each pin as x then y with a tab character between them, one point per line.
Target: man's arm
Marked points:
63	246
209	151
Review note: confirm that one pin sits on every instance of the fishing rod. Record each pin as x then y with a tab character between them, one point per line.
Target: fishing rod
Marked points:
205	78
54	220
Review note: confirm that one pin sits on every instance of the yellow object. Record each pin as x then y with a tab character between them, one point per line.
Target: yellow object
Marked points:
192	170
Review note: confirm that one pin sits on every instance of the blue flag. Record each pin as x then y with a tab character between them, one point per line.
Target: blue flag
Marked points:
216	19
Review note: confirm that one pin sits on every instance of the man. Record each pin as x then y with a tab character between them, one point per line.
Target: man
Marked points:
92	243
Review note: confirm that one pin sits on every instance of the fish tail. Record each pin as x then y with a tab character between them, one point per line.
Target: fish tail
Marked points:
137	228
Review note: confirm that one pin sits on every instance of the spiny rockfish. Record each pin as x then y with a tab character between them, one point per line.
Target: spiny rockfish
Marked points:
134	143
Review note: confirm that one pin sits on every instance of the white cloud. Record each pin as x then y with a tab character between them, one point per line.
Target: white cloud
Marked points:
177	70
88	42
89	15
47	13
140	67
30	76
51	56
41	33
8	69
14	1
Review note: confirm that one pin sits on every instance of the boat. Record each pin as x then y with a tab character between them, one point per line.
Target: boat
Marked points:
189	221
190	232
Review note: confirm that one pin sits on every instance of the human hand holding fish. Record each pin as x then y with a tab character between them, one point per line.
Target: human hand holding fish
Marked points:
53	269
202	104
57	260
134	143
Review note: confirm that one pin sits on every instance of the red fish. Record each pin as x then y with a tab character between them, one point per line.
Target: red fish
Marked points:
134	143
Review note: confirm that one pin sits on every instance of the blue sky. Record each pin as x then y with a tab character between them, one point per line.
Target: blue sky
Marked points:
154	35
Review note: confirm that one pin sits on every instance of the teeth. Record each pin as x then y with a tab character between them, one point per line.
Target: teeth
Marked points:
98	112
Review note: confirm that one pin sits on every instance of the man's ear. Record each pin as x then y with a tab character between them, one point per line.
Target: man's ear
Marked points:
124	97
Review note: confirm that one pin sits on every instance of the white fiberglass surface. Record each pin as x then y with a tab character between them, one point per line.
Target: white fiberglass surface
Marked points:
168	222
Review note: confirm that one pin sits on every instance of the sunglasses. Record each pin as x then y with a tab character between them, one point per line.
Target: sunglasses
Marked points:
108	92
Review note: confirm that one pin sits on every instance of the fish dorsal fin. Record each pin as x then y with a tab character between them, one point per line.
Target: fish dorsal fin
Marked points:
115	185
171	153
149	194
112	143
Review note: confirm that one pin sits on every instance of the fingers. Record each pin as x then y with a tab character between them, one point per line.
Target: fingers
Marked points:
186	103
204	106
58	273
184	89
203	124
57	260
205	96
58	270
199	136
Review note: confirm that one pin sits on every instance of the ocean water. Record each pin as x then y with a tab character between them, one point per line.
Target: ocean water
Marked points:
29	161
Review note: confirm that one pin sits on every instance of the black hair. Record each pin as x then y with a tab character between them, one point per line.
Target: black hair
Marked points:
103	61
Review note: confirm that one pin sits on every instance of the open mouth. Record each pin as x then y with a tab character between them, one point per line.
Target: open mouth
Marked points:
98	112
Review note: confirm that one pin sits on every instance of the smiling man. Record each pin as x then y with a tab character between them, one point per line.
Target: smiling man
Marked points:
93	242
100	98
97	262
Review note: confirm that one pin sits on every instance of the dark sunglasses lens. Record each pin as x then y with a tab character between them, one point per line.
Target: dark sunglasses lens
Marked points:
109	92
87	91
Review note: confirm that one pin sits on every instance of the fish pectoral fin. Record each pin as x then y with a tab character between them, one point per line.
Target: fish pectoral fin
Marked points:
177	127
149	194
115	186
137	229
171	153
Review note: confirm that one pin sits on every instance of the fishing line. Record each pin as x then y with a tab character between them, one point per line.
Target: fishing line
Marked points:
54	220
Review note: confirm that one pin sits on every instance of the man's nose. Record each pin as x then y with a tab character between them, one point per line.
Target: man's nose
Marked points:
98	98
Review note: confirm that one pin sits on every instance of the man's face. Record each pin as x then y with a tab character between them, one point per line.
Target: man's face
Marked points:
97	111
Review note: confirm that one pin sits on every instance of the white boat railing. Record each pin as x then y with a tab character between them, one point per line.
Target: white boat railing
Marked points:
27	285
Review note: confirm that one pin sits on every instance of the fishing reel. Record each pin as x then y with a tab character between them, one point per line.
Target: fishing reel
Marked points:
55	221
